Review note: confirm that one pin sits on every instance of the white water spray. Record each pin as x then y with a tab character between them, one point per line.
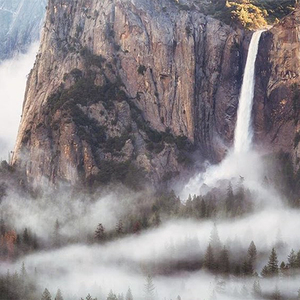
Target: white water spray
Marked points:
240	161
243	130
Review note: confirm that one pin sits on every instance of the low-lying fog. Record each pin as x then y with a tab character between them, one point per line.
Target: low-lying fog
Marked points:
80	268
13	74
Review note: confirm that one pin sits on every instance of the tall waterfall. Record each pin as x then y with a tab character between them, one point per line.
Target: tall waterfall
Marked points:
243	130
241	162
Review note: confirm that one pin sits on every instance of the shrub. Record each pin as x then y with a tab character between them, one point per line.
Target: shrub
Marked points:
142	69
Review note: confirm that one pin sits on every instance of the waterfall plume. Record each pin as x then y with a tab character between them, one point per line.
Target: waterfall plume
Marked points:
240	162
243	130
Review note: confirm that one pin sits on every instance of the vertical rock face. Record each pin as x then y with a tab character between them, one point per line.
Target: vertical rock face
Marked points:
120	85
277	100
20	24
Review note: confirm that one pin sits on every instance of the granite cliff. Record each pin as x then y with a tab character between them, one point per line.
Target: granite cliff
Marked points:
20	25
124	85
277	100
128	89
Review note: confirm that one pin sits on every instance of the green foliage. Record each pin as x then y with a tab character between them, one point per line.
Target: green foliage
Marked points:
247	14
250	14
85	92
100	234
124	172
18	286
92	59
141	69
116	143
209	259
89	297
271	269
76	74
111	296
157	139
276	10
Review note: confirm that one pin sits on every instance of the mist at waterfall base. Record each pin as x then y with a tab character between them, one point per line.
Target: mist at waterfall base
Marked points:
13	73
242	163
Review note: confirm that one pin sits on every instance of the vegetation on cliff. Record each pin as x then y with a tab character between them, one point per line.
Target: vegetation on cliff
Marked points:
250	14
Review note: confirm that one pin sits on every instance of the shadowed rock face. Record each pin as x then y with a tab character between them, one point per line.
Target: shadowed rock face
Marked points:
277	99
119	85
20	24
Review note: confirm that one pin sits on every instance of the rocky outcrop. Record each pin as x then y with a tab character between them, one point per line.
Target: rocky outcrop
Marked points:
20	25
121	85
277	99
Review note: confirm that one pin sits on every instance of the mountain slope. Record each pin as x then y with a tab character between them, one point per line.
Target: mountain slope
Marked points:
277	99
20	24
126	85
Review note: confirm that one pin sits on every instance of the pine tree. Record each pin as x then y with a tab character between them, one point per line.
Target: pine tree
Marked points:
149	288
252	253
89	297
100	233
119	228
59	295
203	209
292	260
229	202
26	239
111	296
46	295
298	260
145	223
247	268
209	260
156	219
129	295
224	261
215	239
265	271
271	269
2	227
23	271
283	269
273	263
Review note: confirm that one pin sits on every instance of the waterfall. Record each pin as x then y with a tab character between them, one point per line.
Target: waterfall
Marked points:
243	130
241	162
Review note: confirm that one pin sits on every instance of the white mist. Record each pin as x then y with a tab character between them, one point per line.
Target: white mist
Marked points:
13	77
